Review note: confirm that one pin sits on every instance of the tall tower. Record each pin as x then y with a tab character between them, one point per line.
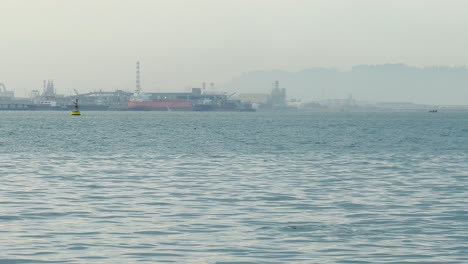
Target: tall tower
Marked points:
137	87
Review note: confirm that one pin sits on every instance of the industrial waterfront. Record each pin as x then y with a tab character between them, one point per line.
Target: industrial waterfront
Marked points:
202	98
197	99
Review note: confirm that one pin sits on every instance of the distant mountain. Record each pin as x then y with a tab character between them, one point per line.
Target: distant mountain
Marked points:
387	82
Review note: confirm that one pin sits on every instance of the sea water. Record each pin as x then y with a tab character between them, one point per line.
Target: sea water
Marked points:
189	187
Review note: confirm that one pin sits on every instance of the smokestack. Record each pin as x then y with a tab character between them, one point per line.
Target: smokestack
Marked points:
137	85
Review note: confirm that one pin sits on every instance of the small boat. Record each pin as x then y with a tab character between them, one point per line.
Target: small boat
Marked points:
433	111
75	108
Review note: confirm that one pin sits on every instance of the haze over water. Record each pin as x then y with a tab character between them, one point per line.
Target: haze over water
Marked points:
125	187
314	48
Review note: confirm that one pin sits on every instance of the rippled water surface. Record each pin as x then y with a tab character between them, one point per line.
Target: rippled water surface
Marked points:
126	187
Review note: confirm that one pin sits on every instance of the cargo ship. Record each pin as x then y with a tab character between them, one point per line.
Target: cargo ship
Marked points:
221	103
194	101
142	102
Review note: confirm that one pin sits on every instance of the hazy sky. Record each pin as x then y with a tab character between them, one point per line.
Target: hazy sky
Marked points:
94	44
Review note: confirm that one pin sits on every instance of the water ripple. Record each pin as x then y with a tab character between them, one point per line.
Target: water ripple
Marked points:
241	188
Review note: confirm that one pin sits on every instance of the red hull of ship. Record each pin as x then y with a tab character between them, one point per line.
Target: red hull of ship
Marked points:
161	105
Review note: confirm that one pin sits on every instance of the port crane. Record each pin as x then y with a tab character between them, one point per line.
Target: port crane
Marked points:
4	93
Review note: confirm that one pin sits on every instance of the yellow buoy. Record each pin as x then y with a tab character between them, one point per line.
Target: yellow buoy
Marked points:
75	108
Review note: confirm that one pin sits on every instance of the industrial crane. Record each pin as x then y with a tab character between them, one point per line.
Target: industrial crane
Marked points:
4	93
2	87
